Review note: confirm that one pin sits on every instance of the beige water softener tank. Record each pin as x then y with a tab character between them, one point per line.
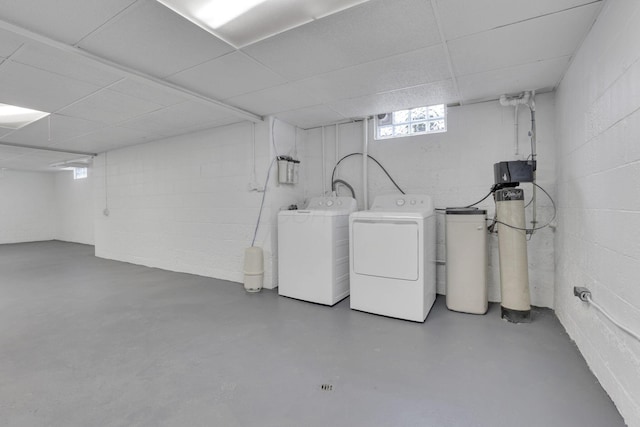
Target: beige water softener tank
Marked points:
467	262
512	243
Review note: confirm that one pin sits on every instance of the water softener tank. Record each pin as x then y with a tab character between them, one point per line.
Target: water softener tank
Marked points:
512	243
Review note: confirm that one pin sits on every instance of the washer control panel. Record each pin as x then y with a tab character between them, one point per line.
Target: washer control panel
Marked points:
332	204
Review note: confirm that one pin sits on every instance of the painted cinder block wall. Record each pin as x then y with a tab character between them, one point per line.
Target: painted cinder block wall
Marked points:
74	207
28	210
456	169
183	203
598	134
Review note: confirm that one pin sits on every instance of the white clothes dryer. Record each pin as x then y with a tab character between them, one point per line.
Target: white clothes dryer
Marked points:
393	257
313	250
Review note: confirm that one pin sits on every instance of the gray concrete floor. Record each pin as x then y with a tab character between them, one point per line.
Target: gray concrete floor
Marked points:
91	342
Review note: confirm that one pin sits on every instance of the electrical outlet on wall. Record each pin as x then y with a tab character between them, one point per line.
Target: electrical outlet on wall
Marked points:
253	186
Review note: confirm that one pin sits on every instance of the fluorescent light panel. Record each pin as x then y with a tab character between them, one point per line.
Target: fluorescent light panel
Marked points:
12	117
244	22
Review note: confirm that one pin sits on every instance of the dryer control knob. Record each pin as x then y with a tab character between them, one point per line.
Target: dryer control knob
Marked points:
329	203
400	202
413	202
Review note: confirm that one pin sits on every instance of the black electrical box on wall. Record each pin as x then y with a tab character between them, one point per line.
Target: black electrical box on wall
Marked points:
513	172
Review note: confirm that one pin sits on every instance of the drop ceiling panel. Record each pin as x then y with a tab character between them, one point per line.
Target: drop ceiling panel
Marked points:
533	76
463	17
274	100
65	64
188	116
108	138
429	94
107	106
364	33
36	160
9	43
546	37
414	68
230	75
63	20
147	92
30	87
7	152
309	117
52	130
151	38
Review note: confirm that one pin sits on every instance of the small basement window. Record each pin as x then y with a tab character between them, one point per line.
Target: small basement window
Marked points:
416	121
80	173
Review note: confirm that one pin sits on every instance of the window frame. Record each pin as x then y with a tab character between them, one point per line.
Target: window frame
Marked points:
80	175
390	118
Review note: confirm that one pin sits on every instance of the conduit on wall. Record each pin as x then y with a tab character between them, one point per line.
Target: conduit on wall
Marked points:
324	173
365	156
523	99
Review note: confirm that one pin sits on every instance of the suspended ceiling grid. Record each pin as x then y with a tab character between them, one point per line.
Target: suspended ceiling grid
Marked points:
124	72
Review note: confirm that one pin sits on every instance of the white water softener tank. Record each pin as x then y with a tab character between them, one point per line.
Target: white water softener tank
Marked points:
514	268
467	261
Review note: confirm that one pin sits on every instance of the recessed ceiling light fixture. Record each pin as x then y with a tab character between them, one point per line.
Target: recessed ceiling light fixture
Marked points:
243	22
12	117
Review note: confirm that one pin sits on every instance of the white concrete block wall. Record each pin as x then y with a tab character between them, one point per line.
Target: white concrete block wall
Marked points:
456	169
27	207
598	133
74	207
183	203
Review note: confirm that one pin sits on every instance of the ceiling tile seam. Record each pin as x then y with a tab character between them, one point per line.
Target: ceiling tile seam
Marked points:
386	92
66	106
302	79
303	89
286	81
445	46
552	58
103	124
191	67
202	27
83	98
105	23
328	107
56	150
128	72
180	132
544	15
268	68
365	63
341	122
54	72
573	56
293	27
19	48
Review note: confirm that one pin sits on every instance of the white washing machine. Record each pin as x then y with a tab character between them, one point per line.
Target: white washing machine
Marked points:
393	257
313	250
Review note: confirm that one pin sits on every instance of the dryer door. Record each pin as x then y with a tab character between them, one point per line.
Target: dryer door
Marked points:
386	249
